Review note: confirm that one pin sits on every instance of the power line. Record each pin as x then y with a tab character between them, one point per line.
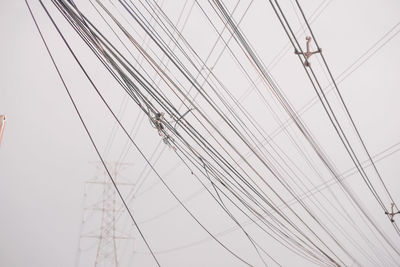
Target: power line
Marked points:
85	127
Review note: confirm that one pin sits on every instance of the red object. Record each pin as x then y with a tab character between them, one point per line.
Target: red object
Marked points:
2	125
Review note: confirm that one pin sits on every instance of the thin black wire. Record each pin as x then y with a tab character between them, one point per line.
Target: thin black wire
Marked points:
115	117
360	170
327	108
219	5
86	129
339	129
344	104
345	174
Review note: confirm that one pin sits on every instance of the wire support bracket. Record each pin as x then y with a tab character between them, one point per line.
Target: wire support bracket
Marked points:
392	214
157	122
307	54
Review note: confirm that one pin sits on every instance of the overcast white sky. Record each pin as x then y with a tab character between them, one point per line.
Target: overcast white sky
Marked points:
45	153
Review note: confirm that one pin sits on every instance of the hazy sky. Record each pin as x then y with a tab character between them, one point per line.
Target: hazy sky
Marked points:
45	154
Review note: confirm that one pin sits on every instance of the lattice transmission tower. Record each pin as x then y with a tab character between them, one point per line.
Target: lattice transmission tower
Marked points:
103	221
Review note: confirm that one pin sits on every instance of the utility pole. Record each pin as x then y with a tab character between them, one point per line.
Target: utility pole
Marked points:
103	215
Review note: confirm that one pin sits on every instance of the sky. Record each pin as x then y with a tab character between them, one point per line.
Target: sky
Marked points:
46	157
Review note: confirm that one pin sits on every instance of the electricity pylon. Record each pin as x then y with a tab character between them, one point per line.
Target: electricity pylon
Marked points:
104	215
